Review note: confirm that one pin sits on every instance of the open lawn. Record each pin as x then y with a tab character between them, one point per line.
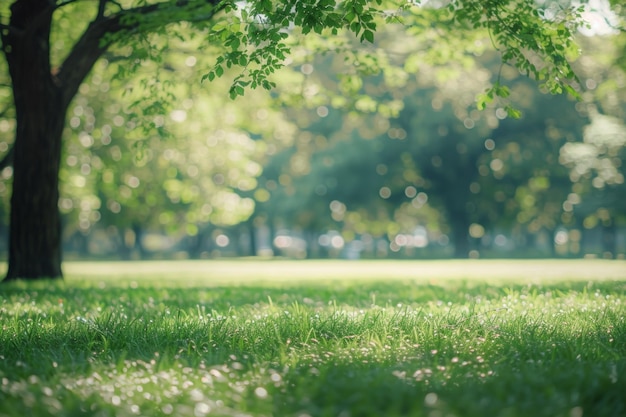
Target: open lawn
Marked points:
317	338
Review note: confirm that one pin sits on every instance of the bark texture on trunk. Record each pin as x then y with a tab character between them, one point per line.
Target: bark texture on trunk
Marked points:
42	96
35	224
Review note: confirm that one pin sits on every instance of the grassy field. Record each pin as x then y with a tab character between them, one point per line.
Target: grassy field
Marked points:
325	338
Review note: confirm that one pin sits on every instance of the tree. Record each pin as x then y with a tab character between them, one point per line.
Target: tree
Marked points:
375	175
597	171
188	176
252	35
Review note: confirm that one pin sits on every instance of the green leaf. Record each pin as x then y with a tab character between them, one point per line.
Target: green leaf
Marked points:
234	43
513	112
502	91
368	35
482	100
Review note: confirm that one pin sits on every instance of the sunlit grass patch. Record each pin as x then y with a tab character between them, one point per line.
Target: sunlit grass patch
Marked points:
241	271
402	344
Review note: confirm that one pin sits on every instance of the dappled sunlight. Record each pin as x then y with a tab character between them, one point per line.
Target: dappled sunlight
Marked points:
249	270
384	347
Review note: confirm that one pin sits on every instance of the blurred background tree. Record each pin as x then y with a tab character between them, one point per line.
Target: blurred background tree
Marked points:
407	147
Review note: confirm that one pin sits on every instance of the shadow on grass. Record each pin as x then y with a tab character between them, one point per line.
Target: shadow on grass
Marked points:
354	294
533	390
522	377
530	370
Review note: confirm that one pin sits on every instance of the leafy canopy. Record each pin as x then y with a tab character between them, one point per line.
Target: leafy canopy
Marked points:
538	41
257	36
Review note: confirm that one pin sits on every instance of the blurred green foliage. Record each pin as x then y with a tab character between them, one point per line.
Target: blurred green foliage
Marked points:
409	144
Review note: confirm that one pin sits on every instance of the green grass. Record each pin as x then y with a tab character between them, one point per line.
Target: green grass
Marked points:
279	338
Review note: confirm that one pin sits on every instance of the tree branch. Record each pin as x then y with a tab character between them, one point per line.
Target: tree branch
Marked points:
94	42
65	3
101	6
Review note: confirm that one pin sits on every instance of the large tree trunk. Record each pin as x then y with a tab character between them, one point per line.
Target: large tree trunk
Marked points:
35	224
41	96
35	228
